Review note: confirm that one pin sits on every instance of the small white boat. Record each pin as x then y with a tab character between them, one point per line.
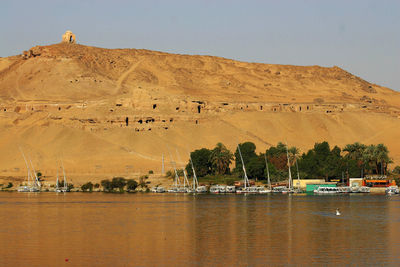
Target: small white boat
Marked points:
201	189
364	189
264	191
35	189
230	189
242	190
173	190
344	189
355	189
183	190
287	191
158	189
392	190
216	189
33	184
24	188
252	189
279	189
64	188
327	190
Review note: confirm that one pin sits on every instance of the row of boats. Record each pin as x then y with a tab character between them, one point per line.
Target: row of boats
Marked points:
341	189
221	189
215	189
185	187
33	184
353	189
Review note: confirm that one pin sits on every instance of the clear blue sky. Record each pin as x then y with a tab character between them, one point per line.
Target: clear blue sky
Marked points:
361	36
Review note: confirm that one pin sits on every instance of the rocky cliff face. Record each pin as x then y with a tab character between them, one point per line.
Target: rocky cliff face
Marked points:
111	112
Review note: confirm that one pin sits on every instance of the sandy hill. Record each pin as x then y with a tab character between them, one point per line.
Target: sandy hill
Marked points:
116	111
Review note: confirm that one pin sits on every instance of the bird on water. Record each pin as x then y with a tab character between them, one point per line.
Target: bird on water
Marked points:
338	212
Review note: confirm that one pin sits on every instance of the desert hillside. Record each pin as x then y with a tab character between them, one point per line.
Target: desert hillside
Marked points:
110	112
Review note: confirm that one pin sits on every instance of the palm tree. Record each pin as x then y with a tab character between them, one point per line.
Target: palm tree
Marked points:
294	154
221	158
356	152
377	156
369	156
382	158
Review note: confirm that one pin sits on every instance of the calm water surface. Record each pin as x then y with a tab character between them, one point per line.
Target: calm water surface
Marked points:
205	230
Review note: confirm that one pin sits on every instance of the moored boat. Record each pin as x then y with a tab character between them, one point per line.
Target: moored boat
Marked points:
344	189
364	189
279	189
394	189
355	189
217	189
24	188
230	189
327	190
158	189
201	189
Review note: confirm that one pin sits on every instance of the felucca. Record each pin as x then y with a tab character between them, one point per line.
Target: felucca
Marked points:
33	185
290	182
64	188
246	183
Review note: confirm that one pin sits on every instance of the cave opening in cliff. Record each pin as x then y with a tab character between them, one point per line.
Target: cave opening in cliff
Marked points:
299	108
261	107
140	121
198	108
127	121
154	106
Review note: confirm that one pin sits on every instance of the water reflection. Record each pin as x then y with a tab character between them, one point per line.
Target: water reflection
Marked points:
144	229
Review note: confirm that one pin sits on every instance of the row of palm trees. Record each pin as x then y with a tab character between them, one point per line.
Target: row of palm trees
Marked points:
374	156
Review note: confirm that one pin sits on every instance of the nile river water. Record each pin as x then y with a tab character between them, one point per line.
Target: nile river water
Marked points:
97	229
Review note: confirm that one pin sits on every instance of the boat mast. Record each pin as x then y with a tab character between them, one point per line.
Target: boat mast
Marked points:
27	167
57	183
34	172
298	175
266	163
195	181
290	174
185	179
246	180
65	179
176	181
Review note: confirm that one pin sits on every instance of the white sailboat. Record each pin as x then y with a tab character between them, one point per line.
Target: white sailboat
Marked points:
32	185
269	189
36	183
246	188
186	185
64	188
298	189
290	182
176	183
27	186
57	184
195	186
